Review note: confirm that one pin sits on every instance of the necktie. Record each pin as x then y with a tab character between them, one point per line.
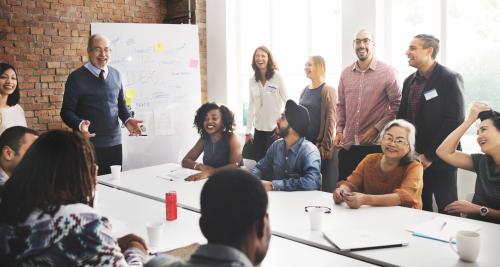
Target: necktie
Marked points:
101	75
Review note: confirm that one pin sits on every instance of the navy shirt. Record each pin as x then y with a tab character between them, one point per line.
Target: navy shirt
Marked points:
487	191
311	99
216	155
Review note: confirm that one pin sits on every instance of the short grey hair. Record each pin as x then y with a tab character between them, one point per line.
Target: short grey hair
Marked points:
430	41
411	137
90	44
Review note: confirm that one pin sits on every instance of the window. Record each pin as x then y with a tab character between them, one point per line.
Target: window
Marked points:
472	50
409	18
296	29
293	30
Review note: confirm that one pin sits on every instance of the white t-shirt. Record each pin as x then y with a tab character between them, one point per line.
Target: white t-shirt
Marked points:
3	177
12	116
266	103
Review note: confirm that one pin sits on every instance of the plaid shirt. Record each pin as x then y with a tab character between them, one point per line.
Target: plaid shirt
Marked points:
366	99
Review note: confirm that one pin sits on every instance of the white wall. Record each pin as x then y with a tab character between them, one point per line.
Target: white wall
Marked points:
217	82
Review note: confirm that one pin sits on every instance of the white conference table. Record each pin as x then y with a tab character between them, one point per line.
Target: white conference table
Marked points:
147	182
289	220
129	213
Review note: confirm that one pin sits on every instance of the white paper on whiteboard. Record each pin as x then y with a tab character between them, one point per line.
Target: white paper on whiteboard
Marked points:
163	121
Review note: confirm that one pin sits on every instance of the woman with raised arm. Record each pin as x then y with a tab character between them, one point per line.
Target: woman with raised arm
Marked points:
485	204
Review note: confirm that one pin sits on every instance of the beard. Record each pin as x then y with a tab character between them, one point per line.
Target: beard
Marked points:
364	57
260	254
284	132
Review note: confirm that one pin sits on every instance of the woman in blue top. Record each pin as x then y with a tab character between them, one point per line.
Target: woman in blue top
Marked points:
220	146
485	205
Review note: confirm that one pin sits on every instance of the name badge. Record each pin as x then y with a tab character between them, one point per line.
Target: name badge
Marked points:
430	94
271	88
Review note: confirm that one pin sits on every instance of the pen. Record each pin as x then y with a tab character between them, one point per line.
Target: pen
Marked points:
442	226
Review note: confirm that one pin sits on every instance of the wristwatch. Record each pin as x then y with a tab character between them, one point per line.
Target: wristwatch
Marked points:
483	211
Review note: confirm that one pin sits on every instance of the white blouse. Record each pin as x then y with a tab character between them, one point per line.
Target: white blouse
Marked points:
266	103
12	116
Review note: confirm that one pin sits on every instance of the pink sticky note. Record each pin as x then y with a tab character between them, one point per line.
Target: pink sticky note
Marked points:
193	63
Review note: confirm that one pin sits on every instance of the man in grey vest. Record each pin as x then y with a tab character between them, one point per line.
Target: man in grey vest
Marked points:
94	101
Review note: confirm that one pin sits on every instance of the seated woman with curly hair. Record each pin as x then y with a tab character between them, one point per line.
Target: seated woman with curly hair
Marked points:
220	146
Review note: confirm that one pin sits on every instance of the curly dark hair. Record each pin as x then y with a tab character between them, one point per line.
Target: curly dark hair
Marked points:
12	99
227	117
58	169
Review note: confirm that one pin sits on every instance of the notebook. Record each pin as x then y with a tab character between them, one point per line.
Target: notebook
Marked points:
366	238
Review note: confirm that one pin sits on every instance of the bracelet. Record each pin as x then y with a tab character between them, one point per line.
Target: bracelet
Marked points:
195	165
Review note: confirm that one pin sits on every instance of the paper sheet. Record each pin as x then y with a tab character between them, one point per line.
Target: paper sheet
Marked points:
440	228
178	174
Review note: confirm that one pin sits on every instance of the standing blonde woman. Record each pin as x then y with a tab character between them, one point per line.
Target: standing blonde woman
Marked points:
319	98
267	96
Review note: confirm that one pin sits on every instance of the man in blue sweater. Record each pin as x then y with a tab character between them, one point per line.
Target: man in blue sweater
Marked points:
94	101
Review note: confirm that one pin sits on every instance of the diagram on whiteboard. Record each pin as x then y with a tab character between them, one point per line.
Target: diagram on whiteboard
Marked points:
159	67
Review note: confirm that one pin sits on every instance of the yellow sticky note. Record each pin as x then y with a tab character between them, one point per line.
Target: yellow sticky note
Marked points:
130	92
129	95
159	47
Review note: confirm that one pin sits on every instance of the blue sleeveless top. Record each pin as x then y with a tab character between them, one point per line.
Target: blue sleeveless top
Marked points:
216	155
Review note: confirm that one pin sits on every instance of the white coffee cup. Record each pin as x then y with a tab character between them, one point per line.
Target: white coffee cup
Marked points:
116	171
155	233
467	245
316	214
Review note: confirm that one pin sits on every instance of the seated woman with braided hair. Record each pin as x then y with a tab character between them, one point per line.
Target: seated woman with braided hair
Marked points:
46	214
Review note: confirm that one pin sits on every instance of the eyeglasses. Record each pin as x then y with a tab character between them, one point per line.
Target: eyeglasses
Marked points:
364	41
99	50
399	142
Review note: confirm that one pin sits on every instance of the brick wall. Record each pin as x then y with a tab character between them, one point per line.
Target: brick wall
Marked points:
201	20
46	39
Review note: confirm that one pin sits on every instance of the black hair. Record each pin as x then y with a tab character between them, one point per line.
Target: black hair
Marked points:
12	99
491	114
58	169
227	117
13	136
429	41
231	203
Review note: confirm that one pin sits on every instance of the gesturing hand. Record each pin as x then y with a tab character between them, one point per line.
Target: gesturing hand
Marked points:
84	129
133	127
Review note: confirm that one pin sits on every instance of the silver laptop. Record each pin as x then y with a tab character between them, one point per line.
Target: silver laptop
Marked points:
366	238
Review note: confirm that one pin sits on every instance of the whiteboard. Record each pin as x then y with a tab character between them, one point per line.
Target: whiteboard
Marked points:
159	67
